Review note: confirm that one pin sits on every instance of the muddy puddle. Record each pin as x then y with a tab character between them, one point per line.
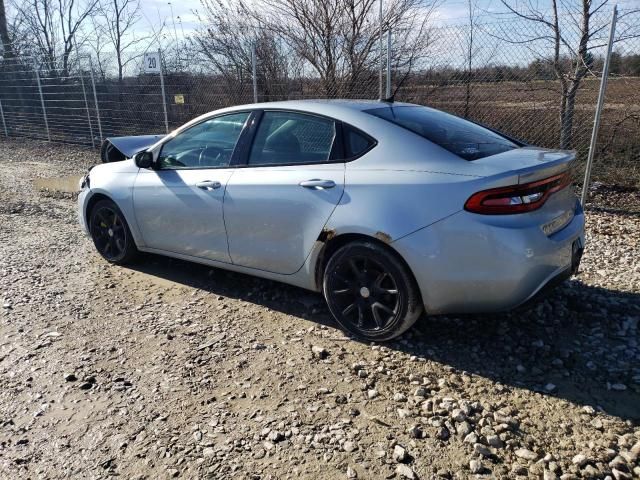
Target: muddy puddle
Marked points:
67	184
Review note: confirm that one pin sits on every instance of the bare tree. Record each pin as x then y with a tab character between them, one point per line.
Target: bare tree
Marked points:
226	42
573	29
338	38
54	26
117	20
7	41
98	45
470	53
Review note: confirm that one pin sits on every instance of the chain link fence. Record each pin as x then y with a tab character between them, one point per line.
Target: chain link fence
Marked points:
502	74
498	73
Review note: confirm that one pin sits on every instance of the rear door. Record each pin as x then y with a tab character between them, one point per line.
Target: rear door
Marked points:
276	206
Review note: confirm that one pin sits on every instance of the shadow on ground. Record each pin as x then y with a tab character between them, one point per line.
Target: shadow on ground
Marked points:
579	343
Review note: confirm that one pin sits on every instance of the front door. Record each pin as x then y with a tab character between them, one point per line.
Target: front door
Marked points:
277	205
178	205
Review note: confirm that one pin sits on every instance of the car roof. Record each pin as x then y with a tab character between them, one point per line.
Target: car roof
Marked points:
352	112
320	104
349	111
354	104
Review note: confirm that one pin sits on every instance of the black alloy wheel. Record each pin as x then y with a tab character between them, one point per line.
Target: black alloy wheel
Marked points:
110	233
370	292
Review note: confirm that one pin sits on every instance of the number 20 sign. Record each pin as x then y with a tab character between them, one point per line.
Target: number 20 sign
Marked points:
152	62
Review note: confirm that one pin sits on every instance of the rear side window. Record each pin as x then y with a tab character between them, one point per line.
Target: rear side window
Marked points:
356	143
289	137
461	137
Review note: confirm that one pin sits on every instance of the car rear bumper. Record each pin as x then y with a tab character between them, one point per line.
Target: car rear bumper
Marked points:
469	263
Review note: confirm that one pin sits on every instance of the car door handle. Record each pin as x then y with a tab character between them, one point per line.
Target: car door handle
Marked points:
208	185
317	183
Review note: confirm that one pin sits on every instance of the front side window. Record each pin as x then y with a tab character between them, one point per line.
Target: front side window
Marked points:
289	137
461	137
206	145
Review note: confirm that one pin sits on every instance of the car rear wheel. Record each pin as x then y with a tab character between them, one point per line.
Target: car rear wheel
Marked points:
111	234
370	292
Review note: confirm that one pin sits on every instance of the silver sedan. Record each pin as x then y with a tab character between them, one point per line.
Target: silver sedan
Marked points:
388	209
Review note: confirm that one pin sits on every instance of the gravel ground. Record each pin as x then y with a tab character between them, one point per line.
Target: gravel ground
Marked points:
169	369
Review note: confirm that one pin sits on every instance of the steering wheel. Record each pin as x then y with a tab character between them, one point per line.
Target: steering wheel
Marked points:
210	150
172	162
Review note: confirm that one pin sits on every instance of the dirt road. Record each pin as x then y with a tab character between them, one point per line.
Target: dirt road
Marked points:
168	369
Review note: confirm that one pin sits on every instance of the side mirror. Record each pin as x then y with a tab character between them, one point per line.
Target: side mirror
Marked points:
143	159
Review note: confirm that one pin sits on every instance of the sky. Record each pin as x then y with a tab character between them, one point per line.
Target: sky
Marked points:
182	11
181	20
449	12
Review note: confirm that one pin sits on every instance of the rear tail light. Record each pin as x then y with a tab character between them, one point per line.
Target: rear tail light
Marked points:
516	198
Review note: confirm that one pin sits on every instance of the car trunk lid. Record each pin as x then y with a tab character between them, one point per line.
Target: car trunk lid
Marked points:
524	165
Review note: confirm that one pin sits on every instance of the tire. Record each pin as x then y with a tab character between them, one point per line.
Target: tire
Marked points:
370	291
110	233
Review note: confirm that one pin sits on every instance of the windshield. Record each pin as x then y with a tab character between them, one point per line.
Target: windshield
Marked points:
466	139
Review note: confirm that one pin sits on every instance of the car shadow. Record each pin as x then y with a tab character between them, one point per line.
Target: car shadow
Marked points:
580	343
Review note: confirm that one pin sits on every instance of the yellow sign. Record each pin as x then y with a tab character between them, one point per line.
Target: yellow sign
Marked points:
178	99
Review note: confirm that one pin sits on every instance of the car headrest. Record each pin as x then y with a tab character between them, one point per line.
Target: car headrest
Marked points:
285	142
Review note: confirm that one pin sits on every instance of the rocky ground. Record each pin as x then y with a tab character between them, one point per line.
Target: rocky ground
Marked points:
168	369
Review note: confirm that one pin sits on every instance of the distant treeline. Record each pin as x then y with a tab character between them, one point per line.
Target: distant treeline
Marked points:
539	69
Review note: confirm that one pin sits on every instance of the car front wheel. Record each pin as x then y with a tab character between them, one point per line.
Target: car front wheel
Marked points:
111	234
370	292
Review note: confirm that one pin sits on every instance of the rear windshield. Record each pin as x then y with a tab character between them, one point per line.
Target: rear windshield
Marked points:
466	139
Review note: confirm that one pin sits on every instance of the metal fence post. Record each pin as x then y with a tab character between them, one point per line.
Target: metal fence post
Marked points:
95	98
86	104
381	53
253	72
388	95
44	108
596	120
164	97
4	123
